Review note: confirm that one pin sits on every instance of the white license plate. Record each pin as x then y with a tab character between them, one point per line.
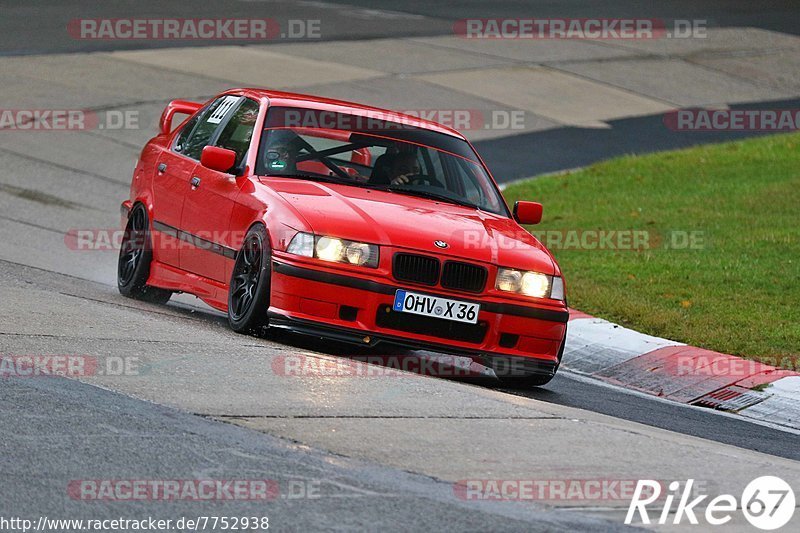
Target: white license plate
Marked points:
425	305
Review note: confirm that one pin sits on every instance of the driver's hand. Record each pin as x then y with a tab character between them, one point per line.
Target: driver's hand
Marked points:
402	179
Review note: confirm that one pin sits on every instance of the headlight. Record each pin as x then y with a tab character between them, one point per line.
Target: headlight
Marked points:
509	280
329	249
334	250
302	244
530	283
358	253
535	284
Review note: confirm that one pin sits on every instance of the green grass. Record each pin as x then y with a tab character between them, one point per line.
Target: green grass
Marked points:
739	293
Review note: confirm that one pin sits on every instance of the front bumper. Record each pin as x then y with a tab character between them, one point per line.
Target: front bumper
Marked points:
319	301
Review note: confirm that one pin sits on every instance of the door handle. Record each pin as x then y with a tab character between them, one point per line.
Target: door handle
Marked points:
195	182
162	167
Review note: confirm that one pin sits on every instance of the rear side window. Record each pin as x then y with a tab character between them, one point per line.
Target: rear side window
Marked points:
238	131
198	132
180	142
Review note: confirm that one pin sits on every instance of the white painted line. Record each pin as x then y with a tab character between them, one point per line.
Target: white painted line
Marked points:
788	386
783	407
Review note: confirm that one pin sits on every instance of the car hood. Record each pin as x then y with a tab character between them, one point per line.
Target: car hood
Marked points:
402	221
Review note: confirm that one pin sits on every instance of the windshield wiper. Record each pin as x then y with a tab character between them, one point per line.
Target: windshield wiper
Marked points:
433	196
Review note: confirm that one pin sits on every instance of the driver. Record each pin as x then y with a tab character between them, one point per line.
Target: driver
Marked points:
404	167
281	152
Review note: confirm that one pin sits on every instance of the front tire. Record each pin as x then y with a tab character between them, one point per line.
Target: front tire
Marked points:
249	288
135	256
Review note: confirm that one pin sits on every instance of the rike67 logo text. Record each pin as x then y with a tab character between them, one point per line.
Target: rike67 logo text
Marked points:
767	503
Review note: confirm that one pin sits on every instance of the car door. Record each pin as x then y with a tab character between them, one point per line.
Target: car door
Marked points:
172	181
209	204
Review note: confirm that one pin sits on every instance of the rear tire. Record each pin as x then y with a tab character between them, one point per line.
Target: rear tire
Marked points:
135	256
249	288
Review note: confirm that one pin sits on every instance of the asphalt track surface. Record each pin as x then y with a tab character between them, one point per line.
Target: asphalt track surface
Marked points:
560	149
38	27
574	391
68	424
777	15
556	149
71	429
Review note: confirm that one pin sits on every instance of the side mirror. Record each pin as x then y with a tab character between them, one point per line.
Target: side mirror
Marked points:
176	107
528	212
217	158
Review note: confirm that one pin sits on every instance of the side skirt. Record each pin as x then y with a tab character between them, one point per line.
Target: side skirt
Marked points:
212	292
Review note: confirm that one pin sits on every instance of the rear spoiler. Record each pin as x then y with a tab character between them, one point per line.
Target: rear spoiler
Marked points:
182	107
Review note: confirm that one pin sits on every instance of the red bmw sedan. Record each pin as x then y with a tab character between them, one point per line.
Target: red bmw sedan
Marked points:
343	221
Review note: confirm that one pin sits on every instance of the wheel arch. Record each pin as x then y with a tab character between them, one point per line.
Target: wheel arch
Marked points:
263	224
146	201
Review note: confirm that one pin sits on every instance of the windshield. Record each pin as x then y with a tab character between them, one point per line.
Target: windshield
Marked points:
369	152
